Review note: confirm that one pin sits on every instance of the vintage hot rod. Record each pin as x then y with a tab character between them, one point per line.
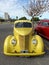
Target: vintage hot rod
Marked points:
24	42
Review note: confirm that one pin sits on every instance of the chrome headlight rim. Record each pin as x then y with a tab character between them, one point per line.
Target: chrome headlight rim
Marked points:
13	42
34	41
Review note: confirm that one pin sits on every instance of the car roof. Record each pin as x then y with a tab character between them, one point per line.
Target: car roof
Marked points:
23	21
44	20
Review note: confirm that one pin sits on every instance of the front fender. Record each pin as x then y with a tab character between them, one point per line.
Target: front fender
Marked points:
40	44
7	47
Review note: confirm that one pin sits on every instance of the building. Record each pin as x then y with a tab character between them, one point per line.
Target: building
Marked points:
6	16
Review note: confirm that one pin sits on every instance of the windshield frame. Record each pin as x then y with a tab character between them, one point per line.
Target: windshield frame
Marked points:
23	25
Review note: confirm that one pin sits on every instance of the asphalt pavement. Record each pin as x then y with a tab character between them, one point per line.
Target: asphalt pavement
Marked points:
7	29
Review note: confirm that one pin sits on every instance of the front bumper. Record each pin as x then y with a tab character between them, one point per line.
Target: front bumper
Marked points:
24	54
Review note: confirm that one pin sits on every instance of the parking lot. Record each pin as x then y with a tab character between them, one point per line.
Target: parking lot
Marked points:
5	30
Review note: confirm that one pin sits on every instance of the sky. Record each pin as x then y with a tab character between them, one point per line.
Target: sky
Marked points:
14	8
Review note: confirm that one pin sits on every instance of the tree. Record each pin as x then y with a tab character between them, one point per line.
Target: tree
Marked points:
16	17
23	18
37	7
35	19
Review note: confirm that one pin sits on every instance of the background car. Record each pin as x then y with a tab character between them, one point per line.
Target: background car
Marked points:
42	28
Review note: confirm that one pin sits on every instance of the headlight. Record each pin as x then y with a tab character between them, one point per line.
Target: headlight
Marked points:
14	42
34	41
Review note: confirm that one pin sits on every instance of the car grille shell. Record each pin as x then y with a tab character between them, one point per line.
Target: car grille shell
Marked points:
24	42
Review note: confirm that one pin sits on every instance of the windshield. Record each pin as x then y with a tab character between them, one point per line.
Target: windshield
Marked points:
23	24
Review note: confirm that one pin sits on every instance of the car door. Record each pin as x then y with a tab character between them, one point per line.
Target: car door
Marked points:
39	28
45	29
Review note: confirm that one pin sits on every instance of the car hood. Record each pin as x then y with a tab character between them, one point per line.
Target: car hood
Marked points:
23	31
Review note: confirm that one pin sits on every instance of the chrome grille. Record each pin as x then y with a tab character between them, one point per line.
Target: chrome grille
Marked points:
24	42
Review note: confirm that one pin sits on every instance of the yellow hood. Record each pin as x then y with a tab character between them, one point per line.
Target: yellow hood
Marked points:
23	31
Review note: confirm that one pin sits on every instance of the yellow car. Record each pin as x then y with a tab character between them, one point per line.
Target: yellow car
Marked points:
24	42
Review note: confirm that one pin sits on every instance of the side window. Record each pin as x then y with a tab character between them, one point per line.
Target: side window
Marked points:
48	24
44	23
